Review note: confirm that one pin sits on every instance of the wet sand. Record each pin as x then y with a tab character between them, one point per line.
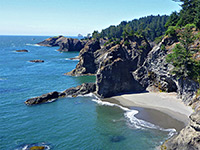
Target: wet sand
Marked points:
162	109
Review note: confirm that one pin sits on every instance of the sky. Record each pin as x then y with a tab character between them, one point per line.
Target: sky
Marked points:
73	17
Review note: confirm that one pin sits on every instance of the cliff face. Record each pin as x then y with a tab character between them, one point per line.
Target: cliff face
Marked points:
87	64
113	65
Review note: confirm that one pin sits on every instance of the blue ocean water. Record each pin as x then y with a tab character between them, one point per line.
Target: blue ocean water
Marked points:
69	123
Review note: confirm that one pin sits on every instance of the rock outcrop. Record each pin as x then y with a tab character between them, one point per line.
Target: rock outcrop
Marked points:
23	50
65	44
69	44
83	89
37	61
188	138
113	65
86	65
154	74
53	41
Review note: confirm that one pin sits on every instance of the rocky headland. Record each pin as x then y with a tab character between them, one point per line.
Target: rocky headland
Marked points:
131	65
64	44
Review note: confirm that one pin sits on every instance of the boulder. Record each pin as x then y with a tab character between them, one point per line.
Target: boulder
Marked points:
23	50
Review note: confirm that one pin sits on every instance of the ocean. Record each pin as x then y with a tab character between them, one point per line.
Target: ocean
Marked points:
81	123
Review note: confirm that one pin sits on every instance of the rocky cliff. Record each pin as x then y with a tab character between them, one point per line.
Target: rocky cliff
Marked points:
65	44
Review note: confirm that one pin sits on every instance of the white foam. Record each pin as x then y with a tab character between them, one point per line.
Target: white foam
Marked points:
71	59
28	44
1	79
133	121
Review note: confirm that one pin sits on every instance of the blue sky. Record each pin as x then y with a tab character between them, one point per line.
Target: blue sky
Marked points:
71	17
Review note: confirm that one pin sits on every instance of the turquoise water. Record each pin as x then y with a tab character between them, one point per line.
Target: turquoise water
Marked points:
68	123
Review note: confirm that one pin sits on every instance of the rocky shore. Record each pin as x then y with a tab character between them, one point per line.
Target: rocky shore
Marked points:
130	65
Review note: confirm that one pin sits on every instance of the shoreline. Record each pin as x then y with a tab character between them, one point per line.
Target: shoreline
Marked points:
162	109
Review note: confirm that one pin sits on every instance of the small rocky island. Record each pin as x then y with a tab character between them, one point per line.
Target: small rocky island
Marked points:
37	61
23	50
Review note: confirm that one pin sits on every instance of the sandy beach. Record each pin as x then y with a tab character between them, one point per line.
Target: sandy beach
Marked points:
163	109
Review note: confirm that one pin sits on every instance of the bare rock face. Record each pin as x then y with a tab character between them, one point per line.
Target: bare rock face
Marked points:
69	44
86	65
115	78
188	138
155	72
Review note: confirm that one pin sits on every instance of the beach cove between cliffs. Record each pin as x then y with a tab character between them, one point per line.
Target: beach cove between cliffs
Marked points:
162	109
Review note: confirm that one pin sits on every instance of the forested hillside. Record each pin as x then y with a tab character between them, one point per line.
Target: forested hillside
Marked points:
150	27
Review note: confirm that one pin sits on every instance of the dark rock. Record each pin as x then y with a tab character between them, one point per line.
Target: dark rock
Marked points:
83	89
65	44
42	99
114	74
188	138
86	63
154	74
187	90
116	139
69	44
37	61
23	50
53	41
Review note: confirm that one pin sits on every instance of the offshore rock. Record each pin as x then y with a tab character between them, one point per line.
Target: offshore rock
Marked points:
42	99
188	138
23	50
83	89
37	61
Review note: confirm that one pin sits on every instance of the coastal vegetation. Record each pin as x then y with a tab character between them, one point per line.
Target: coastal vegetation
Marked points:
150	27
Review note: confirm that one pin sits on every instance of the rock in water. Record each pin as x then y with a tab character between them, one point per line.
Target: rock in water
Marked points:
116	139
37	148
23	50
188	138
42	99
37	61
82	89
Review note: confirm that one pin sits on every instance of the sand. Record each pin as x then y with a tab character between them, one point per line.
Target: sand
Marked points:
163	109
